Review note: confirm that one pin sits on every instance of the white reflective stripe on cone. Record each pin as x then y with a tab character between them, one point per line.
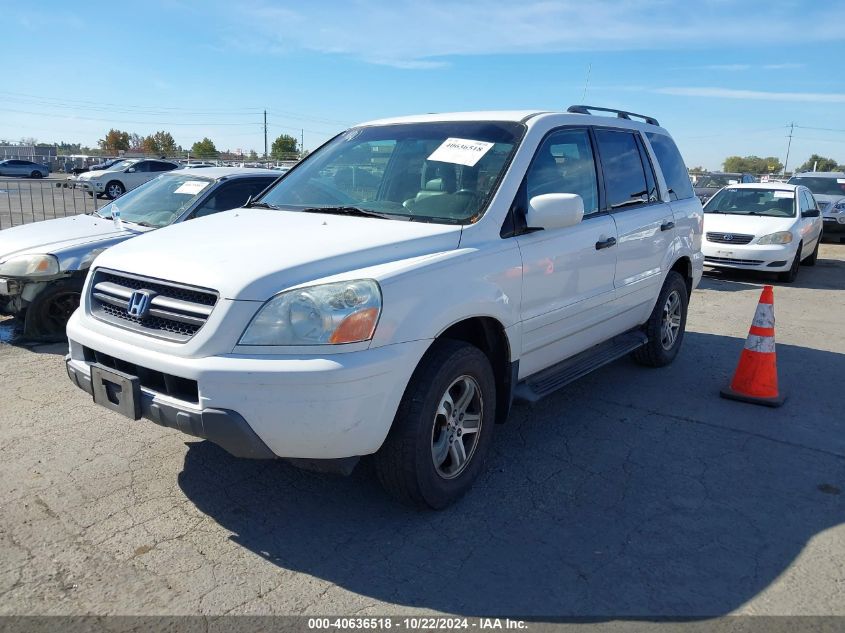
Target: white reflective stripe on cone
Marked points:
765	315
764	344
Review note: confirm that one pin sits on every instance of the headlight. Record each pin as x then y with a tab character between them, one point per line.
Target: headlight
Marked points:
781	237
343	312
840	206
30	266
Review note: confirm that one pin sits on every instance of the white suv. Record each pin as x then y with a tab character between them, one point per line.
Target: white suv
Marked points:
397	290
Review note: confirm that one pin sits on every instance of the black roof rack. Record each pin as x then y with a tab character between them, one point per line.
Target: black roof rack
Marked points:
622	114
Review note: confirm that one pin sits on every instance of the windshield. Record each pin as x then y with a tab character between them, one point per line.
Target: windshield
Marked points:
821	186
712	180
121	164
769	202
435	172
158	202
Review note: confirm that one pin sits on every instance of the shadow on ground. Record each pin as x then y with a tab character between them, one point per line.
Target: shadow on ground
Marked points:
11	332
628	502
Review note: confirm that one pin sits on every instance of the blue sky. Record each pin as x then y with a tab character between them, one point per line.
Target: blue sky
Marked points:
724	77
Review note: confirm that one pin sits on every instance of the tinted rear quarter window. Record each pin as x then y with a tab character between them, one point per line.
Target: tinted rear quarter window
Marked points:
672	165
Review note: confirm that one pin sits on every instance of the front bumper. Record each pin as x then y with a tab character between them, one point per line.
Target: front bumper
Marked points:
225	428
89	185
309	407
769	258
834	223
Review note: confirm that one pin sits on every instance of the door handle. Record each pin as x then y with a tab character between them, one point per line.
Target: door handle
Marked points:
667	226
611	241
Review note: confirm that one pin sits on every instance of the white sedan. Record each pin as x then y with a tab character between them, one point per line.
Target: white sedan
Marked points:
771	227
122	176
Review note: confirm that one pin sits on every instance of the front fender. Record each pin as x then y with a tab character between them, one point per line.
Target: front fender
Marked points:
469	282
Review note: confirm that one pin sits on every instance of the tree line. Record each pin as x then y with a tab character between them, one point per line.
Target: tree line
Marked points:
162	143
773	165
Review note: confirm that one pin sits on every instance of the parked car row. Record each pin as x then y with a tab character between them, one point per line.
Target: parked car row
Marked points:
397	290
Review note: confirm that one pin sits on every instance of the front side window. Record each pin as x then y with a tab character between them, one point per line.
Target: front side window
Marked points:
821	186
624	175
158	202
777	203
434	172
565	164
672	165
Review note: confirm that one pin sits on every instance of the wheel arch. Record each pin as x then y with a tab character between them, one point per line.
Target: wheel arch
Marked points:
683	266
488	334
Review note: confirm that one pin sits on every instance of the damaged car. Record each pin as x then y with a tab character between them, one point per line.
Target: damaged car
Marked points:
43	265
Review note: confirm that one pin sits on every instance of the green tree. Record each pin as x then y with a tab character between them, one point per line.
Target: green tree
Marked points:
114	141
752	164
819	163
284	146
204	149
253	155
165	142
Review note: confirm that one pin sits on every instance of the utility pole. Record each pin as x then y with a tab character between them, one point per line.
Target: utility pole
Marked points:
788	147
301	142
265	134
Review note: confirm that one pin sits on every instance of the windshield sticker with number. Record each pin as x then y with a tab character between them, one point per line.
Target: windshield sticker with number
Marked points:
460	151
192	187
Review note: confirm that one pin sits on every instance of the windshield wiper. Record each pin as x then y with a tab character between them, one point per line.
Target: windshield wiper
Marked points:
348	210
260	205
146	224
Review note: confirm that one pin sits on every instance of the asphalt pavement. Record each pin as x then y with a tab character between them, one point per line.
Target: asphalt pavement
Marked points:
633	493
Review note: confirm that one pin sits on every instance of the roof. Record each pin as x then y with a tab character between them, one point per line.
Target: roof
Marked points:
776	186
820	174
516	116
215	173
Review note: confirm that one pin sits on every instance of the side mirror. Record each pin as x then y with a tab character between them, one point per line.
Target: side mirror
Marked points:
810	213
554	211
131	170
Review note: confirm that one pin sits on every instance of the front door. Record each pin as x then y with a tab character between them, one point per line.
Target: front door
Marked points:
567	273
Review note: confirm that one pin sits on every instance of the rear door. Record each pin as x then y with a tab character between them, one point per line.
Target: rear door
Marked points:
644	222
567	274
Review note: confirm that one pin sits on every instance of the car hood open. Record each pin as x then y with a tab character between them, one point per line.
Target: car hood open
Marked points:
252	254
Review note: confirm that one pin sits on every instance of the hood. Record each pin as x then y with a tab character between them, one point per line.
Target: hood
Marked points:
746	224
251	254
92	175
828	199
69	239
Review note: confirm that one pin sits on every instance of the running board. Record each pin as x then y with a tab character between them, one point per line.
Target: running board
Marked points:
553	378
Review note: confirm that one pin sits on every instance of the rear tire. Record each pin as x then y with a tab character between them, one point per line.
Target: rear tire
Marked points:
666	326
47	315
35	174
431	457
790	275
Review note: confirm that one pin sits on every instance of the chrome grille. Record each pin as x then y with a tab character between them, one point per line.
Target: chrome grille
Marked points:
729	238
730	260
175	312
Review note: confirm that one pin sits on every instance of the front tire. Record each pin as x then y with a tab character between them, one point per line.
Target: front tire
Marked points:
666	326
35	174
48	314
114	189
790	275
443	428
812	259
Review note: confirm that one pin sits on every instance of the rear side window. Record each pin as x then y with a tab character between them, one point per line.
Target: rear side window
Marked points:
672	165
624	175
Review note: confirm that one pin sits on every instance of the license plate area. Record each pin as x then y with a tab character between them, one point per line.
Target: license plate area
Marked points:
117	391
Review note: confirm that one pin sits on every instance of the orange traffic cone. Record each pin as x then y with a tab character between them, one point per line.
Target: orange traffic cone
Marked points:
756	376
